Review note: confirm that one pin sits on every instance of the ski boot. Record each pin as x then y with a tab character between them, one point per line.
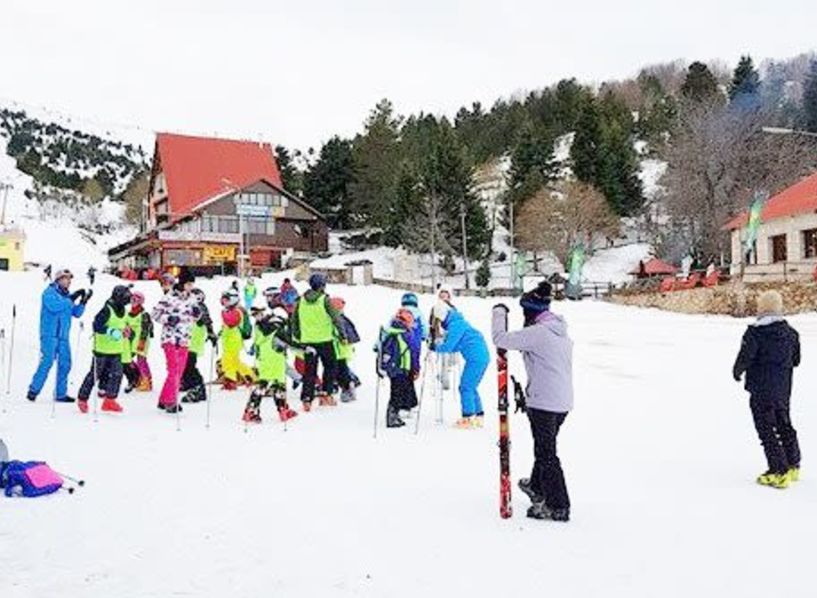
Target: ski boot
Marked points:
393	418
307	406
774	480
31	396
348	395
229	385
129	388
326	400
251	416
145	385
111	405
794	473
175	408
285	413
478	421
538	510
65	399
464	423
186	397
83	405
525	486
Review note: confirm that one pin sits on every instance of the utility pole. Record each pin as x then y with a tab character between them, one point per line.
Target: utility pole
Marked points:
5	188
513	251
464	247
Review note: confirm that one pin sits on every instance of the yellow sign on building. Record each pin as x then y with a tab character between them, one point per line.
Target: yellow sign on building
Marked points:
217	254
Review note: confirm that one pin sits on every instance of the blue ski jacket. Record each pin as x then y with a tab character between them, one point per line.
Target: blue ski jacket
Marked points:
56	312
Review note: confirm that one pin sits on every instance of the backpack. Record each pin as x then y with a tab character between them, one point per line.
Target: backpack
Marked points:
33	478
245	326
389	355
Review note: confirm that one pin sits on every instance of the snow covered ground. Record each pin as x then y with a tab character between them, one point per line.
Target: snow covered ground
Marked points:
660	457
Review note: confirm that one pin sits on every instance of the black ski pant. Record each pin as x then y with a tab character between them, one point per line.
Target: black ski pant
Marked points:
132	373
344	374
191	377
325	352
547	478
108	370
777	436
403	394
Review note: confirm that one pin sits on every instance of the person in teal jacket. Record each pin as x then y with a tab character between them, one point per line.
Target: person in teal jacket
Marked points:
461	337
57	308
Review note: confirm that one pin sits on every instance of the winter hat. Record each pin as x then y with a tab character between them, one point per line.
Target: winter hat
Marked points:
410	299
229	298
406	317
337	303
62	273
199	295
120	295
770	303
317	281
185	276
440	311
271	292
536	301
137	298
444	288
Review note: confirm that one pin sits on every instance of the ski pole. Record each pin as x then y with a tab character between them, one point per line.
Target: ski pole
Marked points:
93	384
379	375
422	392
3	356
78	482
11	349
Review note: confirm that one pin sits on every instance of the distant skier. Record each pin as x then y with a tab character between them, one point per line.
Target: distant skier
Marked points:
47	272
345	352
769	352
461	337
288	295
193	384
91	275
112	337
176	311
548	355
56	310
236	328
249	294
141	323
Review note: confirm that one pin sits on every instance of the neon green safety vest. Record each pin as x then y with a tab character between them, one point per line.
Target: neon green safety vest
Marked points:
271	363
104	344
135	323
315	322
197	339
344	351
231	337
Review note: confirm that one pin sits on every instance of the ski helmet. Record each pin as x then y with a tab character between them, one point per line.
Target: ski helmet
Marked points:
271	292
317	281
120	295
229	298
410	299
198	294
137	298
337	303
62	273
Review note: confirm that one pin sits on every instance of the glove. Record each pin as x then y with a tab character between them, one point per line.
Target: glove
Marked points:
115	334
501	306
80	294
737	376
172	320
87	296
140	346
128	332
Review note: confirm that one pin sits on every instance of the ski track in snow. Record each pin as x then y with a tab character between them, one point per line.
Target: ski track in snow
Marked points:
660	457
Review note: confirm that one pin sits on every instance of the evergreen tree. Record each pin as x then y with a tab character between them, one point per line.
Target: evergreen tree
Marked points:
483	278
586	144
532	164
700	84
327	184
376	159
291	177
745	86
810	99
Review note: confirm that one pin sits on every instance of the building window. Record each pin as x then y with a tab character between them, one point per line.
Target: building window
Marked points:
810	243
259	226
778	248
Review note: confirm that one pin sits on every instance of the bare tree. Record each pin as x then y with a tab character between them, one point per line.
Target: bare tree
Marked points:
428	230
555	219
718	158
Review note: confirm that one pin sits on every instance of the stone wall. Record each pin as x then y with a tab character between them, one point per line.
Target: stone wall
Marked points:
735	299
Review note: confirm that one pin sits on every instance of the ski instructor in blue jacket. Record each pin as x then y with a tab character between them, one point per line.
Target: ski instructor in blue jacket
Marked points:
461	337
57	308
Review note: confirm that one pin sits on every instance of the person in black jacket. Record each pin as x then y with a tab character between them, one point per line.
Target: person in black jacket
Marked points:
769	352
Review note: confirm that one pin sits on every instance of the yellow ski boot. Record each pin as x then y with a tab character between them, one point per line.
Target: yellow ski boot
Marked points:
794	474
464	423
774	480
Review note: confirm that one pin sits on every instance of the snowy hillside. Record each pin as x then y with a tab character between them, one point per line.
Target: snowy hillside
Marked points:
76	235
660	467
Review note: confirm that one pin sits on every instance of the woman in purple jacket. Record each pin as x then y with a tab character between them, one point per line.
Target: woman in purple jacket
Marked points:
548	354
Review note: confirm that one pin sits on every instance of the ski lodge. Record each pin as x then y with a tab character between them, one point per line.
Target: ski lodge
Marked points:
786	244
218	206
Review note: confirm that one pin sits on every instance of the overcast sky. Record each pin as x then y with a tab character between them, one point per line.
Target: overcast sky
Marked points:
297	72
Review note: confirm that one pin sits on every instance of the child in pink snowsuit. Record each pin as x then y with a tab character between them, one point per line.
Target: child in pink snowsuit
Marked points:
177	311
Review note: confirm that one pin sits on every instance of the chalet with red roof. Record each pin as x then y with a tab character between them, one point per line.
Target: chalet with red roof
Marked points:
215	204
786	245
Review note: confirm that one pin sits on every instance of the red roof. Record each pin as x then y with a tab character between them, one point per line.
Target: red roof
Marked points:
654	266
200	168
800	198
